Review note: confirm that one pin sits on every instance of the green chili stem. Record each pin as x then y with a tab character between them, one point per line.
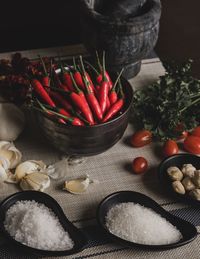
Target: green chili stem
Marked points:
118	77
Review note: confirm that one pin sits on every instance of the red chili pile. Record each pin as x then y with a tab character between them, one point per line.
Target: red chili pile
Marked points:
79	94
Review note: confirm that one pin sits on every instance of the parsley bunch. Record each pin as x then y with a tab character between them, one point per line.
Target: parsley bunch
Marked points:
171	105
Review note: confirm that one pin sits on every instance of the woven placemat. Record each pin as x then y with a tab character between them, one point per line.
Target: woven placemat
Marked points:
112	170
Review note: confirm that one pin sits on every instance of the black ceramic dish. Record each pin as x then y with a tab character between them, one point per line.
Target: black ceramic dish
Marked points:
87	140
188	231
77	236
177	160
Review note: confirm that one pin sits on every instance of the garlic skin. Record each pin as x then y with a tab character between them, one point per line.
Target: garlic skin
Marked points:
12	121
77	186
35	181
4	166
11	153
3	174
28	167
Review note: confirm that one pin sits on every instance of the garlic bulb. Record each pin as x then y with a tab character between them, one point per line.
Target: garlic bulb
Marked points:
28	167
12	121
11	153
35	181
3	174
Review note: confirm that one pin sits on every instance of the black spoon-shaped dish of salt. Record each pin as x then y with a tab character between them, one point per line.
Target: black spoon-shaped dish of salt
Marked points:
76	235
187	230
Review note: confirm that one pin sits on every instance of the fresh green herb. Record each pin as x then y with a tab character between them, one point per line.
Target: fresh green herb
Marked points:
171	105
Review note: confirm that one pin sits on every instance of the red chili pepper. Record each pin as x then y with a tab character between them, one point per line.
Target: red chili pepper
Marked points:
108	104
39	89
60	100
77	76
115	108
113	95
45	79
64	114
49	112
91	85
64	87
103	92
67	78
91	98
80	101
99	77
59	84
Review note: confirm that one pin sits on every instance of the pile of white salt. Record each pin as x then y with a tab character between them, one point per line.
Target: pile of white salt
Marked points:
35	225
138	224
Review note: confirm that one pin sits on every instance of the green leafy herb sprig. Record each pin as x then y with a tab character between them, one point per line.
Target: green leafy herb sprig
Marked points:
171	105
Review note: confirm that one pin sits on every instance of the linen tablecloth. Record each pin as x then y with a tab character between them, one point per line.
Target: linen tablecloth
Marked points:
112	170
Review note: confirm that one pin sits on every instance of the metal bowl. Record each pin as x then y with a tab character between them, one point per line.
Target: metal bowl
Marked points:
87	140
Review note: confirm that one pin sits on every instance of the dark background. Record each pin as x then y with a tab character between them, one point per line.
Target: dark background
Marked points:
37	24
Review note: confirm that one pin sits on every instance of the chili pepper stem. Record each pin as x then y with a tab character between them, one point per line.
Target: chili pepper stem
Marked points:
98	61
74	83
74	64
93	68
43	65
84	73
121	90
53	112
118	77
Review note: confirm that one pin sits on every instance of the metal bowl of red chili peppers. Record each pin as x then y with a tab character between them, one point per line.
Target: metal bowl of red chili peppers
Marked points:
82	109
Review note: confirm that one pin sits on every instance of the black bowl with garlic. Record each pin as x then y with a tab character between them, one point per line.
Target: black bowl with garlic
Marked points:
180	176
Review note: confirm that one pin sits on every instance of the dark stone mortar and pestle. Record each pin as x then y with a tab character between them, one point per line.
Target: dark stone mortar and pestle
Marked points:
126	29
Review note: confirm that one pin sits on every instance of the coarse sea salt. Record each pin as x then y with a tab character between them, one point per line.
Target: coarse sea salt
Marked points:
35	225
138	224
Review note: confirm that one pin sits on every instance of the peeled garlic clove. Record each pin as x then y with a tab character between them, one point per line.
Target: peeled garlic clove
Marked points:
3	174
28	167
77	186
35	181
10	152
178	187
196	178
174	173
188	170
188	184
195	194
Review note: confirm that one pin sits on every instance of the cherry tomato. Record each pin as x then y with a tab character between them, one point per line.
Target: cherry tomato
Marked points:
139	165
192	144
170	148
196	132
141	138
183	135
